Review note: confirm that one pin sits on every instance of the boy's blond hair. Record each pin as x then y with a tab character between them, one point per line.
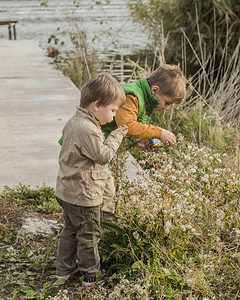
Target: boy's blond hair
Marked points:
170	80
103	88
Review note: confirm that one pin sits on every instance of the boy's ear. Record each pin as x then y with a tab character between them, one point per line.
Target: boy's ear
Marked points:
155	89
96	105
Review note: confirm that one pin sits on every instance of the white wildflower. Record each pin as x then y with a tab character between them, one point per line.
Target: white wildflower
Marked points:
221	214
179	208
136	235
193	170
168	226
193	230
205	178
61	295
183	227
191	211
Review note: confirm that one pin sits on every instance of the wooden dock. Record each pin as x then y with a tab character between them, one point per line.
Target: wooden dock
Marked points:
36	100
12	32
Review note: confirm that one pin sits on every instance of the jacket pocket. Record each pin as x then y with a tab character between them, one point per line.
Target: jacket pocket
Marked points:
100	174
100	178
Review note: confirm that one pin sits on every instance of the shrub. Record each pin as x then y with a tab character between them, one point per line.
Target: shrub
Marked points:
211	27
180	234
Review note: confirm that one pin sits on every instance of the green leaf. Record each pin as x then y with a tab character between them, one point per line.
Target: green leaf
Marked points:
124	240
31	294
105	257
117	246
47	284
60	281
112	227
14	293
137	265
168	271
172	275
233	265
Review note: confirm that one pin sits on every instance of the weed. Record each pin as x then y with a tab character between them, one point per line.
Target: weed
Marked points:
41	199
178	238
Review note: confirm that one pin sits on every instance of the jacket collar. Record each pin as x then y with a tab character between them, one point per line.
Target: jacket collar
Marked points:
83	112
151	101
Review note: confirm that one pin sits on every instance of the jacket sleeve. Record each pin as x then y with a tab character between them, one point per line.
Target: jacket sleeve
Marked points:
95	148
127	115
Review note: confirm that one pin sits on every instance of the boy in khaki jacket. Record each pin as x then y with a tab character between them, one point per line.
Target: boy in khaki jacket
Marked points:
84	180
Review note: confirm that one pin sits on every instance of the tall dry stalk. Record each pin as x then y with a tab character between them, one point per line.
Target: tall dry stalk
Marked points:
217	88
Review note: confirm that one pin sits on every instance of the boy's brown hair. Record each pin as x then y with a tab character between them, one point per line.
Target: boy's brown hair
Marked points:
103	88
170	80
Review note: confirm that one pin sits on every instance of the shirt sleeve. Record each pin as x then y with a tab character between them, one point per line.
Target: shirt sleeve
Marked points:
127	115
94	147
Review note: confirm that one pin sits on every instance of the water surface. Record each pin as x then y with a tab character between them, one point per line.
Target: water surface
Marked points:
109	28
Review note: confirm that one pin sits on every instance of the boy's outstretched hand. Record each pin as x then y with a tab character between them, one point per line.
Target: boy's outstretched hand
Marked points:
168	138
123	129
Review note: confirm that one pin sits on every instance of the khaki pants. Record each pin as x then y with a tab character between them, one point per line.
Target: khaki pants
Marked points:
80	236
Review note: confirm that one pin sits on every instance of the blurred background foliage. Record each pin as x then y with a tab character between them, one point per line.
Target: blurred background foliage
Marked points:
211	27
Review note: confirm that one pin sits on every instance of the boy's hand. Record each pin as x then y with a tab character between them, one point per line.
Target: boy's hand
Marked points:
168	138
123	129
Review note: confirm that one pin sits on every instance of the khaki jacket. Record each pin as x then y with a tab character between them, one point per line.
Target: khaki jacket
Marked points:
83	161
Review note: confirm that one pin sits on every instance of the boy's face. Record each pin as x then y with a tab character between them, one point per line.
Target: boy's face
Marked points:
164	101
105	114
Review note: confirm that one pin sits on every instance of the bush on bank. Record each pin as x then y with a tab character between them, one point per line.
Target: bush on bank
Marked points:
177	238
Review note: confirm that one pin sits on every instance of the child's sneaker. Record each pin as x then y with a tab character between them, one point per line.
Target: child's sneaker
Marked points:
66	277
89	280
63	277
